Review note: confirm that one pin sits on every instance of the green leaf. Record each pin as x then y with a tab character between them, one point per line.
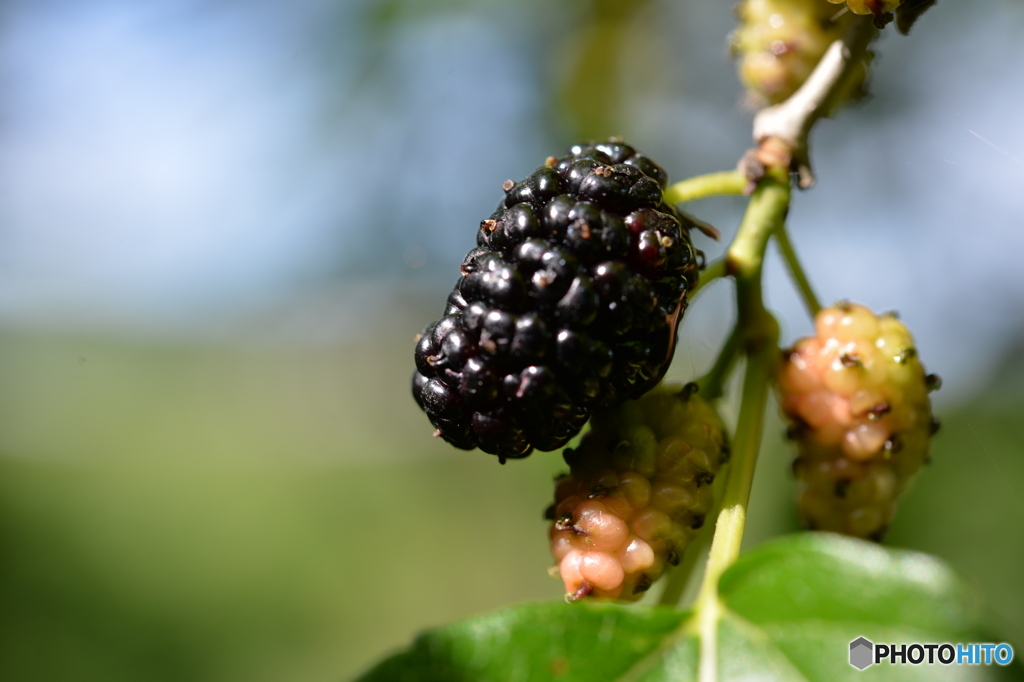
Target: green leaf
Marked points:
791	607
535	642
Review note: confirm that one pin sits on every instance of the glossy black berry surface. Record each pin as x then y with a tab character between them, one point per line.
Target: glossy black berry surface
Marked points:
569	303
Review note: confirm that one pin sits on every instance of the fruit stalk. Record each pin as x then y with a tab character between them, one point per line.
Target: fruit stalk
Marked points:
765	213
725	546
712	272
712	184
796	271
782	130
759	341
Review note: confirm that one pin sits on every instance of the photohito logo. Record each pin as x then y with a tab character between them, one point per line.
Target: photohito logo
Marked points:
864	652
860	653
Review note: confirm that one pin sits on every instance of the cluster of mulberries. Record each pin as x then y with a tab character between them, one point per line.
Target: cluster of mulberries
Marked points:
638	489
858	397
569	303
779	42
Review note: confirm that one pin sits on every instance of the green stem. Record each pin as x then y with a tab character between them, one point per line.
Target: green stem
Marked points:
708	275
725	546
765	213
759	333
796	271
712	184
729	527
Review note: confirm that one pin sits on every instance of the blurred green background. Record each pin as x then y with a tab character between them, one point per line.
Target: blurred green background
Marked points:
222	224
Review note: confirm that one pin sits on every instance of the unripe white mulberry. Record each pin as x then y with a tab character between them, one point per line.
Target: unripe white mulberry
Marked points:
857	395
638	490
779	42
875	7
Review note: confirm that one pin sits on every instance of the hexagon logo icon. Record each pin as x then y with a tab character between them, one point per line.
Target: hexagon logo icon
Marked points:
861	653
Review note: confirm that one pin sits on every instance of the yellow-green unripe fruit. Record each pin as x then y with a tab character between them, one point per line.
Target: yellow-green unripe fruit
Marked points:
637	492
779	42
857	395
875	7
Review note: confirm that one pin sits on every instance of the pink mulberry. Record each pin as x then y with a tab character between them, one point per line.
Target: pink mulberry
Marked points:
857	395
638	491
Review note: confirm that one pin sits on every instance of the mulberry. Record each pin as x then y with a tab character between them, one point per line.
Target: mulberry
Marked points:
569	303
858	397
779	42
637	491
879	8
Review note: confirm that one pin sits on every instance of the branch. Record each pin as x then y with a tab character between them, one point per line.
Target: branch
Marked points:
712	272
729	524
712	184
758	334
781	131
796	271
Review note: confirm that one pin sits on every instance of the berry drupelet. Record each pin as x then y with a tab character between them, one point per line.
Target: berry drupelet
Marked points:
569	303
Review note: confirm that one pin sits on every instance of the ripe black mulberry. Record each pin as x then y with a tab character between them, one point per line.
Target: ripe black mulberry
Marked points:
569	303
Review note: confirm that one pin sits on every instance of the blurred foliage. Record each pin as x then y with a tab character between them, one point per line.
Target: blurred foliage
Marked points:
598	61
595	59
221	513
